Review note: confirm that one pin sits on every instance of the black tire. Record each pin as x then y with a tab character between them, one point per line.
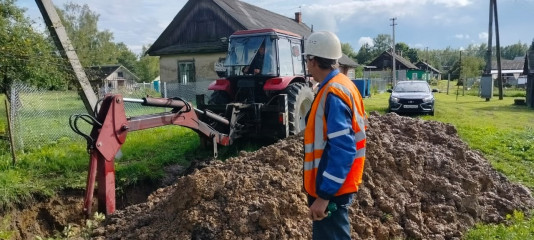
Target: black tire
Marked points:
219	97
299	101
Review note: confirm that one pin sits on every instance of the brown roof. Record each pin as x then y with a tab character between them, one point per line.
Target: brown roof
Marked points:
347	61
401	63
424	66
230	16
253	17
98	73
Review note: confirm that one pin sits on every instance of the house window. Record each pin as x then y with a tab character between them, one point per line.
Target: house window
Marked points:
119	74
414	76
186	72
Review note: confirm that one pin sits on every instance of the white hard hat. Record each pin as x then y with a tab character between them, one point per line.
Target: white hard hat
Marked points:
323	44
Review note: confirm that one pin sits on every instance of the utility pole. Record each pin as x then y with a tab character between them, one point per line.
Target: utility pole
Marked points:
498	50
463	80
394	70
487	79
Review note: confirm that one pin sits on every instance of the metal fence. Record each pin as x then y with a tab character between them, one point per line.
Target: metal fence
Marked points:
187	91
40	117
378	85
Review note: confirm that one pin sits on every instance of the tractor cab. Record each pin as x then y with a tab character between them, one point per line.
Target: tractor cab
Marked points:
265	90
277	52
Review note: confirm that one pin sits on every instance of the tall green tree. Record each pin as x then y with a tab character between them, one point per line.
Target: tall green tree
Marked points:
26	55
126	57
467	67
406	52
382	42
515	50
147	66
347	49
365	54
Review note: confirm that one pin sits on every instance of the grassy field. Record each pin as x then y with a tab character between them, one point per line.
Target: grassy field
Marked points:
502	131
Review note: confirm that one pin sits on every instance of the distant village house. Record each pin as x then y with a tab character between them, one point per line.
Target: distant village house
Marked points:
107	78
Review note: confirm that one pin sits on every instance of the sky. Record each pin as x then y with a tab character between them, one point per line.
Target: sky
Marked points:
423	24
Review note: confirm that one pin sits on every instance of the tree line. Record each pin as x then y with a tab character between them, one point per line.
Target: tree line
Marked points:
470	61
30	56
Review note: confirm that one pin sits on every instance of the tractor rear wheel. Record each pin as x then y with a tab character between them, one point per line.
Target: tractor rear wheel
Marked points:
299	101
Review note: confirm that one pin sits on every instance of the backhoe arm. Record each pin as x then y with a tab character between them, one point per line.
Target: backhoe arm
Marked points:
110	128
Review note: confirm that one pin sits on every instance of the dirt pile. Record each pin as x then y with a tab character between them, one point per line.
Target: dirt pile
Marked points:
420	182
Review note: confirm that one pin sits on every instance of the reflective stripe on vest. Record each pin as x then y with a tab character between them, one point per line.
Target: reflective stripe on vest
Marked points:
315	135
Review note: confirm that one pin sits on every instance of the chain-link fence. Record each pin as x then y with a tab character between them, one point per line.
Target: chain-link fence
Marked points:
187	91
378	85
40	117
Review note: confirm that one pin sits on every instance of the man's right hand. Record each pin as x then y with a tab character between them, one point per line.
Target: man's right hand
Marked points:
318	209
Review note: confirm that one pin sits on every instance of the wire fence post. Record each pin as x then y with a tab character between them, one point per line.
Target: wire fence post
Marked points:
11	137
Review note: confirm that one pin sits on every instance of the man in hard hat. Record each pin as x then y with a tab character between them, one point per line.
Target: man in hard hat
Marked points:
334	140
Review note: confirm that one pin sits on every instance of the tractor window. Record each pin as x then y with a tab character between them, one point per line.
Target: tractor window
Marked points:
297	58
286	61
241	51
269	63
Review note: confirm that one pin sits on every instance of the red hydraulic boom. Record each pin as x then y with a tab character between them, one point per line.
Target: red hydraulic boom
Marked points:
110	127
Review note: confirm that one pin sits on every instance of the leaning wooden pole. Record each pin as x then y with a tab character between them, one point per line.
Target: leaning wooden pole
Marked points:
62	42
11	137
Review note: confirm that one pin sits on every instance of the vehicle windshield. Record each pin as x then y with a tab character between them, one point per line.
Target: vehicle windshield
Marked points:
242	51
412	87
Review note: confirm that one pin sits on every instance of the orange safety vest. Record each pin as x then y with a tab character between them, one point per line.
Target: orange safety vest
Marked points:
315	134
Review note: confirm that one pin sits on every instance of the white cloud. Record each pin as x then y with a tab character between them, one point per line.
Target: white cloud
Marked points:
483	36
453	3
364	40
462	36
